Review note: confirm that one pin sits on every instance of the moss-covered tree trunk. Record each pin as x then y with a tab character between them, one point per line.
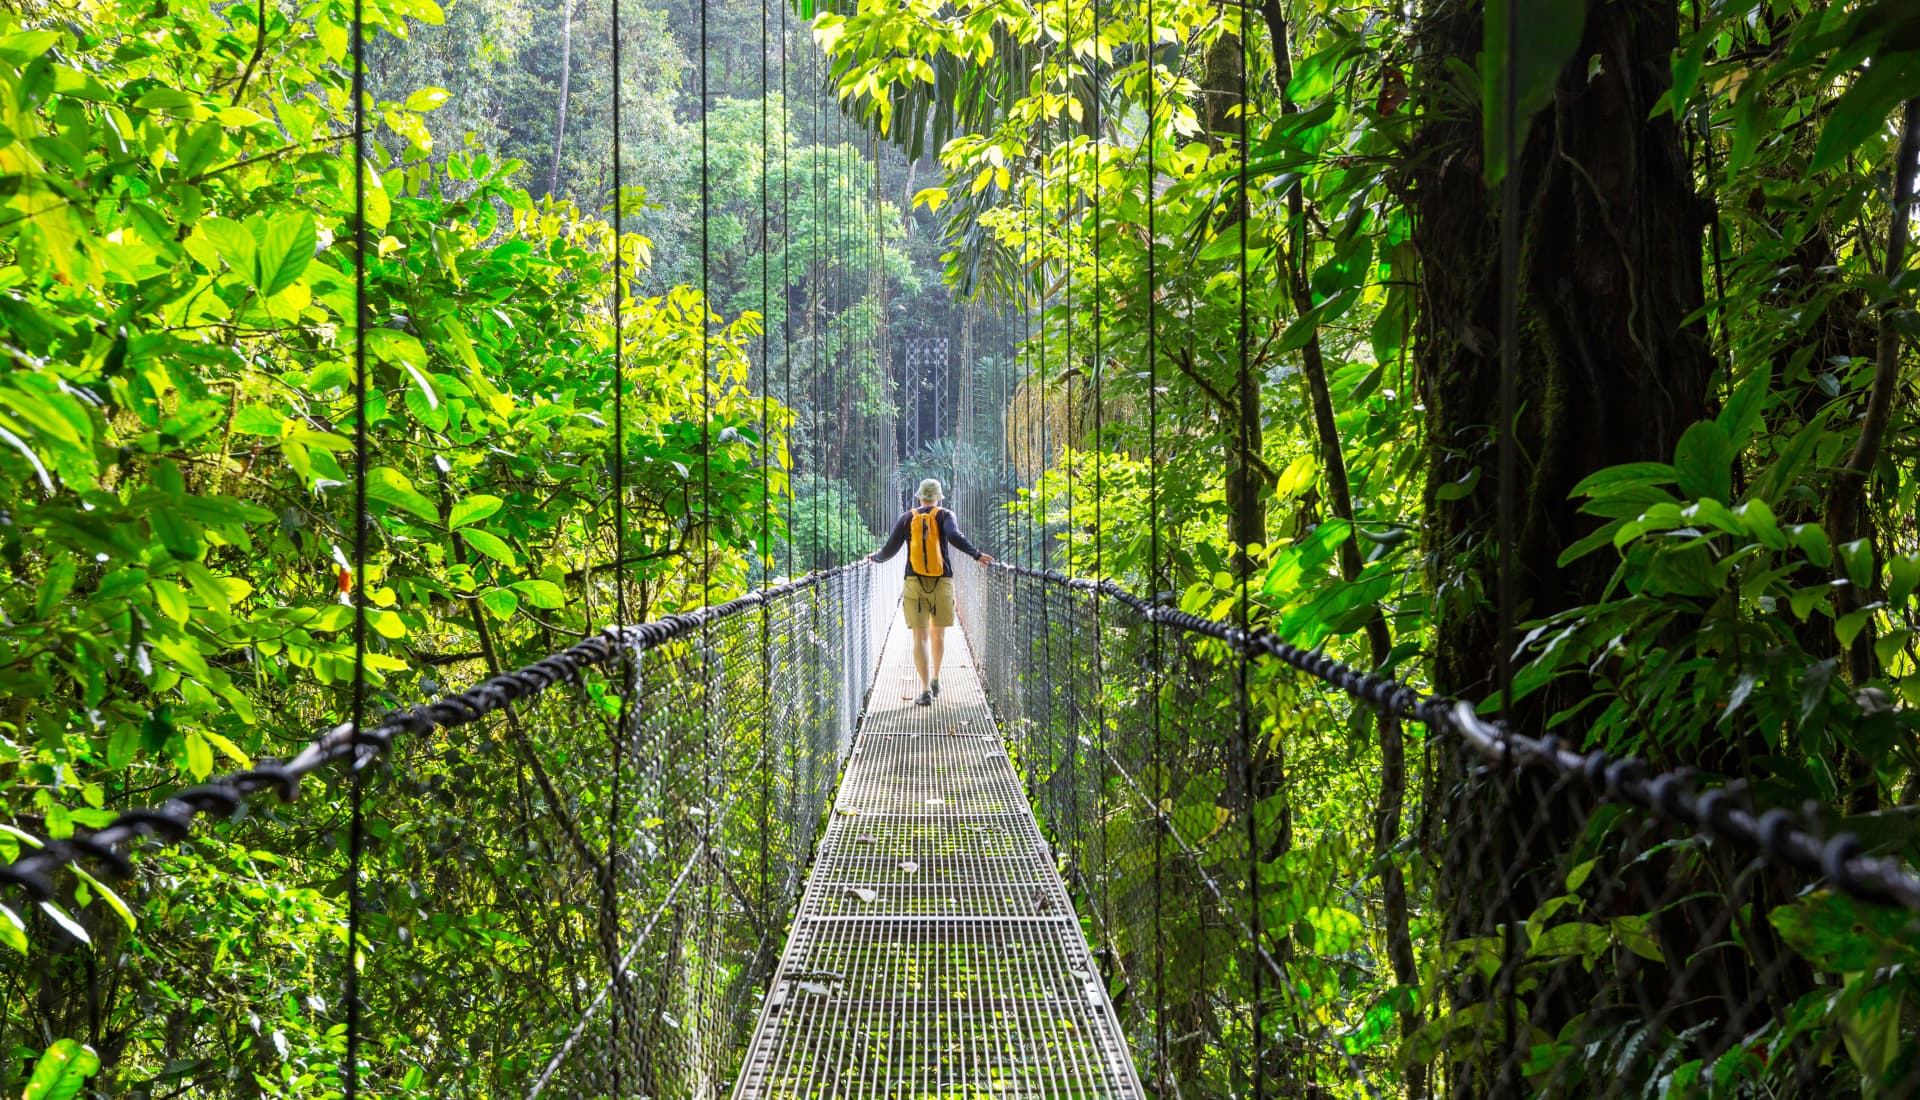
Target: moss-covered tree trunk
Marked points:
1610	370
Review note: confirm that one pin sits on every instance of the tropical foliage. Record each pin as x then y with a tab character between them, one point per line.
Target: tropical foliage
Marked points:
1270	234
1235	334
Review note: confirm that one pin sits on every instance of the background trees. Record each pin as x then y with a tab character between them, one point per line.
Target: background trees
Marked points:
1711	204
1715	558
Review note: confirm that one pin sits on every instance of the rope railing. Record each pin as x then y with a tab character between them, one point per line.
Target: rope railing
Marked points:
652	795
1649	931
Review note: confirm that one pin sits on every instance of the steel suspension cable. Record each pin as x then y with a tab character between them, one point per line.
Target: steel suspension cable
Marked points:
1509	471
1242	669
1156	657
786	278
708	679
1069	741
1099	465
765	550
356	827
611	895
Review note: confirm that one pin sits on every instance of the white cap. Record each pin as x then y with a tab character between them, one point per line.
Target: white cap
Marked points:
930	490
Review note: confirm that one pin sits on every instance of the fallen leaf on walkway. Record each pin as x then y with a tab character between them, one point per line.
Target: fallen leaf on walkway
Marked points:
818	989
864	894
936	801
909	866
844	812
863	839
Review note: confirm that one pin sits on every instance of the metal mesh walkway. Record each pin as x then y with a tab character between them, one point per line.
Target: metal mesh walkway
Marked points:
935	954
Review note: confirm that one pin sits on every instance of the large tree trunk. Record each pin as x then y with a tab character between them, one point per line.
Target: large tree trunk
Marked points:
1610	370
566	78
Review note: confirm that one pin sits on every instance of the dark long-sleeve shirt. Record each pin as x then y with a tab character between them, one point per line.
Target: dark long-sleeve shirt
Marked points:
950	537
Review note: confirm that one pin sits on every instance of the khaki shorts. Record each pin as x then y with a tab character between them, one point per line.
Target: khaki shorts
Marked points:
928	601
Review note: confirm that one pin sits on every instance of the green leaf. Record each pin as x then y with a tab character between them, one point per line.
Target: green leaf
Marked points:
1703	459
491	545
1316	74
501	603
1866	107
1634	934
234	242
1856	557
390	487
1571	938
473	509
199	755
1458	490
545	595
284	252
1903	573
59	916
1741	415
427	99
1545	39
62	1071
1365	387
1836	933
13	930
1335	931
1849	626
112	899
1812	541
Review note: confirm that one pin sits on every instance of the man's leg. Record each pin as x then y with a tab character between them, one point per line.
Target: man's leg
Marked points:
939	645
920	653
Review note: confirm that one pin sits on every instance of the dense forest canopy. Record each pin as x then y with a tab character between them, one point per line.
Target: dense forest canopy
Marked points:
1224	287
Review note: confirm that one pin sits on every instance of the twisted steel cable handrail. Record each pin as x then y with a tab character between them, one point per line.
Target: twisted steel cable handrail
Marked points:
1774	834
172	821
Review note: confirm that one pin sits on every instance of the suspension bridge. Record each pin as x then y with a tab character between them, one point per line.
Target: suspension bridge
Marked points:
754	868
1132	851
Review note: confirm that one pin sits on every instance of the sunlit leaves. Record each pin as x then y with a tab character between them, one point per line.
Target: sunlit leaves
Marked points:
62	1071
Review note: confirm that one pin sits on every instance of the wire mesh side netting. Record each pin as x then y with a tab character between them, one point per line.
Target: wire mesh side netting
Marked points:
577	894
1282	915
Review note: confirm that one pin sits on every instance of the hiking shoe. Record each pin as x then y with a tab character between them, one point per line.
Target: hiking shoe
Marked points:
925	700
935	689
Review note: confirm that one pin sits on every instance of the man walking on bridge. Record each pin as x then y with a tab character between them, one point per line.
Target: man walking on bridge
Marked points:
928	530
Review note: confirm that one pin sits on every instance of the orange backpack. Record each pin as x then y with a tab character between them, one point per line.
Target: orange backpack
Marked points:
924	550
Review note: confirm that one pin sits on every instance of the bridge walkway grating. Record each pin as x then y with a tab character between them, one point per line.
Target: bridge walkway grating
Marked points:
935	954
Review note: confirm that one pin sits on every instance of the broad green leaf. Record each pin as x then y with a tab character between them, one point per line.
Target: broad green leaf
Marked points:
171	599
491	545
235	244
284	252
1867	106
62	1071
545	595
1838	934
473	509
1856	557
1903	577
427	99
1812	541
501	603
1703	461
390	487
199	755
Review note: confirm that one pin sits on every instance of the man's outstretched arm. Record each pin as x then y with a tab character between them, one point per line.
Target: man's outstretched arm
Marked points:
894	541
959	540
